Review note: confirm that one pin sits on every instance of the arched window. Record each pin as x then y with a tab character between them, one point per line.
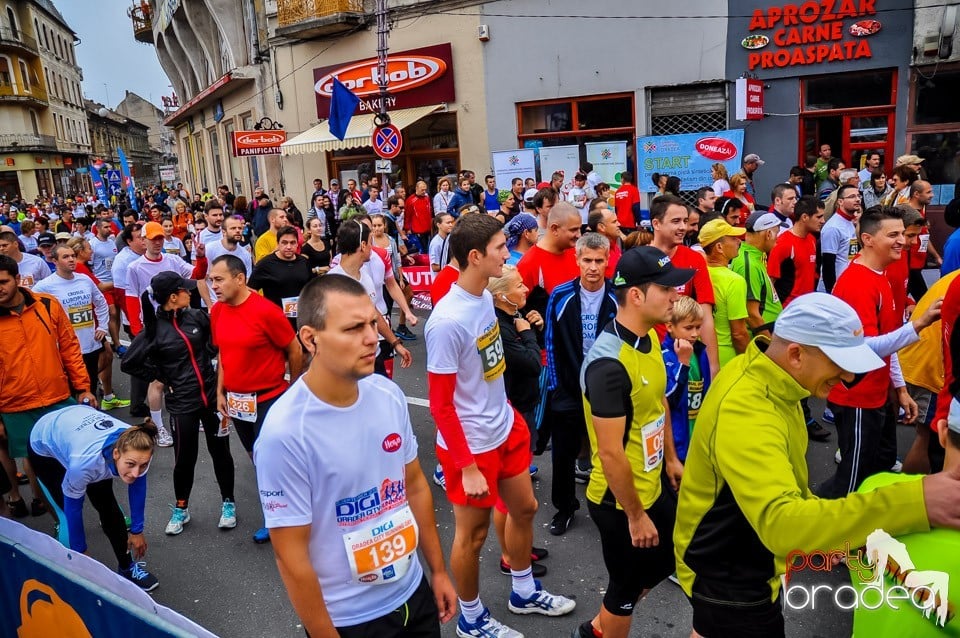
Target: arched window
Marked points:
46	39
24	76
12	19
34	122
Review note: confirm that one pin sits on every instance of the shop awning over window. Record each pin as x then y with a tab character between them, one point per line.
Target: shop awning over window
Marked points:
359	133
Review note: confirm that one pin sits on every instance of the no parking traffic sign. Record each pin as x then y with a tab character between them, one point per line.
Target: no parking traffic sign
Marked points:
387	141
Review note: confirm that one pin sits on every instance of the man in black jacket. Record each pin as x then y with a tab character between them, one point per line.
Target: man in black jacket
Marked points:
576	313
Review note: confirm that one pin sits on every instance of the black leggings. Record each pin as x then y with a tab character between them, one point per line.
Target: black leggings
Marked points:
186	447
91	362
248	431
100	494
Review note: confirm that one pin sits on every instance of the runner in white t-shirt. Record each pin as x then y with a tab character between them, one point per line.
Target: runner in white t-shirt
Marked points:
482	443
32	268
229	244
347	515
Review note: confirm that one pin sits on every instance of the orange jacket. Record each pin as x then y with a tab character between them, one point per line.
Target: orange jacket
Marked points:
181	224
40	361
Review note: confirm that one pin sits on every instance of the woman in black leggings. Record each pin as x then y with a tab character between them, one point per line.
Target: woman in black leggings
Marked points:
76	452
180	352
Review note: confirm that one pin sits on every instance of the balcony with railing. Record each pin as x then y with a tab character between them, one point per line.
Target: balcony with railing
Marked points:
26	142
142	17
17	40
308	19
36	96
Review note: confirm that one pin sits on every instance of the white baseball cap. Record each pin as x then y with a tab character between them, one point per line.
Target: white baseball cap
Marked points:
529	194
953	417
761	220
823	321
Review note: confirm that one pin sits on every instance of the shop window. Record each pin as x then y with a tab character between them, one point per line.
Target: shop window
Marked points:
848	91
941	154
215	151
936	98
599	114
603	113
547	118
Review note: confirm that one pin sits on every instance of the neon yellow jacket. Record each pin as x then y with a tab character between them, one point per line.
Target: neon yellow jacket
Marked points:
745	501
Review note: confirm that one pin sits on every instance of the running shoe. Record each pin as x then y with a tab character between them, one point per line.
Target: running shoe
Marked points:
486	627
585	630
538	569
534	470
179	518
163	437
896	468
18	508
404	333
261	536
115	402
581	472
542	602
816	432
673	579
121	350
37	507
438	477
140	577
538	553
560	523
228	515
828	416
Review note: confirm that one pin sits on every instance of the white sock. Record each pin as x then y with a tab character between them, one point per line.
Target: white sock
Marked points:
157	416
523	583
109	397
471	610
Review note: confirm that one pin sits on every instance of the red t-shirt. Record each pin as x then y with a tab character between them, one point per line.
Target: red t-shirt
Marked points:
949	314
418	217
623	201
897	274
699	287
252	338
543	269
442	283
869	293
615	252
84	269
793	263
918	252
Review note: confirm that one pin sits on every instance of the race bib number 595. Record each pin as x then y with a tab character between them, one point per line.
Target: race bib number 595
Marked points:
490	347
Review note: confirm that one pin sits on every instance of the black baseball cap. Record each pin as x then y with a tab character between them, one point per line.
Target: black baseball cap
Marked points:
166	283
646	264
46	239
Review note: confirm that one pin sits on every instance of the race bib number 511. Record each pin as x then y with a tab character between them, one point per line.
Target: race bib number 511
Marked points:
490	347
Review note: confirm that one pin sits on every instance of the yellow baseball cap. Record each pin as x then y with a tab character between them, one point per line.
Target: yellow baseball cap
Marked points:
717	229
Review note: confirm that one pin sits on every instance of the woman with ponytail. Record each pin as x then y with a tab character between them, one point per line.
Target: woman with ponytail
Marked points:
76	452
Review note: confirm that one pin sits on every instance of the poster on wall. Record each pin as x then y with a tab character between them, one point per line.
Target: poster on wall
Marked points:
609	159
565	159
517	163
689	157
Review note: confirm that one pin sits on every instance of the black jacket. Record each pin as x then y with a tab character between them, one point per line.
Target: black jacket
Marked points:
181	352
522	355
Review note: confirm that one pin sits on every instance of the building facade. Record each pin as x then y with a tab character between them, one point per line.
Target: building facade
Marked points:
44	141
216	55
110	130
159	137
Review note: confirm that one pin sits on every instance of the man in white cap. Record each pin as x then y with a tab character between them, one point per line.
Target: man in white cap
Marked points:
763	304
750	165
746	507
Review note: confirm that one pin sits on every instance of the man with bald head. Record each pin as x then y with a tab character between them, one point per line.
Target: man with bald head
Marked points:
267	242
553	260
921	194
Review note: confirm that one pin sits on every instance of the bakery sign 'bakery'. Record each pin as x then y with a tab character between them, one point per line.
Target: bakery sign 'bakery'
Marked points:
813	32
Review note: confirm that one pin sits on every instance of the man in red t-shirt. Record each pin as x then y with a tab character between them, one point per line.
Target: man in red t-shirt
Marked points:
668	214
553	260
792	264
898	274
951	352
604	221
419	215
256	344
921	194
626	201
866	422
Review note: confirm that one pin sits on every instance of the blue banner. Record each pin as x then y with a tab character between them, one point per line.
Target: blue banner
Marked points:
99	187
128	180
689	157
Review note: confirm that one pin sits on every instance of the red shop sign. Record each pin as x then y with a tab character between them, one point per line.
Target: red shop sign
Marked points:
247	143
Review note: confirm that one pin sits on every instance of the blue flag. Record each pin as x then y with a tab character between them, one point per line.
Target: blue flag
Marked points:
128	180
342	105
98	186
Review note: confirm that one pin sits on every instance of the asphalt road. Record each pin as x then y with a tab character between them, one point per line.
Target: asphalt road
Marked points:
230	585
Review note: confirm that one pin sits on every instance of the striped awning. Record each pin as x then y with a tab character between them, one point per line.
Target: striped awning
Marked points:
359	132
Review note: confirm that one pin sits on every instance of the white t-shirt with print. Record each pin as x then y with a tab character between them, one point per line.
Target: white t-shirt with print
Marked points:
463	338
104	252
85	305
32	269
310	473
589	310
839	238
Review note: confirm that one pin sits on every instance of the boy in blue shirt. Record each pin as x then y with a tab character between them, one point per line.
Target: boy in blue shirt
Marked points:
688	371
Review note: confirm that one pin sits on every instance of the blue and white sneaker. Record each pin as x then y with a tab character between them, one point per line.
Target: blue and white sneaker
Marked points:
261	536
486	627
140	577
439	478
179	518
828	416
541	602
534	470
228	515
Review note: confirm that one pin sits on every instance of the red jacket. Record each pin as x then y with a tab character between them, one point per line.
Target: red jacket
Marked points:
40	361
418	217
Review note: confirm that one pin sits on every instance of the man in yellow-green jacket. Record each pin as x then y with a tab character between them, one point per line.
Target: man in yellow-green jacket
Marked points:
745	503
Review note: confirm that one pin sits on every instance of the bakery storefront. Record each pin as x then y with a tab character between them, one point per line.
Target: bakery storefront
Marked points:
421	94
835	72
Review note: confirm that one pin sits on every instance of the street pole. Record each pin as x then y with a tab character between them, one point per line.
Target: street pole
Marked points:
382	118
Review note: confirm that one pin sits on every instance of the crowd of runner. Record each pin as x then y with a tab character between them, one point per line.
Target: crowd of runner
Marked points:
663	356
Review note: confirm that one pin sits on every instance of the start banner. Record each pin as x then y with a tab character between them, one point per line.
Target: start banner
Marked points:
689	157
